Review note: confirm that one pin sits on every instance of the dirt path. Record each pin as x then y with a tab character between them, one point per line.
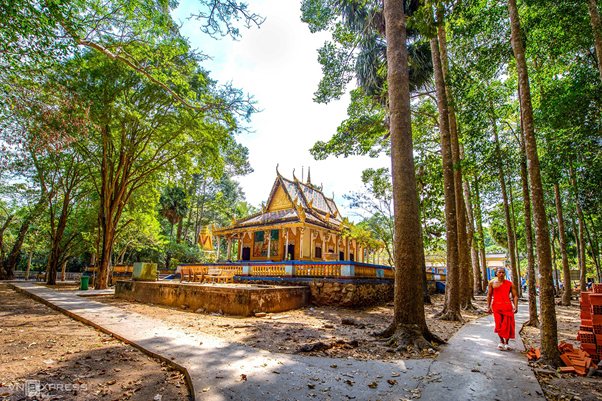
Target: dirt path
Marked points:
73	361
558	386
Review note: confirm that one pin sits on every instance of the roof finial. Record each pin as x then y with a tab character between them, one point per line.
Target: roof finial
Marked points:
308	176
294	178
277	172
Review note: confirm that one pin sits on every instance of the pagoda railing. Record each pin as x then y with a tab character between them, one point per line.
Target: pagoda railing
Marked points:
307	269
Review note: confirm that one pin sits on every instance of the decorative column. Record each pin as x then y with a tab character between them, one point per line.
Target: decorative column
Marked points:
323	246
336	238
269	234
229	249
311	244
219	242
301	235
239	255
347	255
286	246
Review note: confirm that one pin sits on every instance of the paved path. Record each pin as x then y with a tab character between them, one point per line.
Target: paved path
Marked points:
214	367
474	369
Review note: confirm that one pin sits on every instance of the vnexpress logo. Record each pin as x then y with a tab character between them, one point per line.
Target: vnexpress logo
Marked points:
32	388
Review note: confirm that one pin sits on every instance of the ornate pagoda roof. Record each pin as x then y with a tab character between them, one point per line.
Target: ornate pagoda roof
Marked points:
291	203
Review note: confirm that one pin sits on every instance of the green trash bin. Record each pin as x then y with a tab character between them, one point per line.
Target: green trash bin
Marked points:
84	282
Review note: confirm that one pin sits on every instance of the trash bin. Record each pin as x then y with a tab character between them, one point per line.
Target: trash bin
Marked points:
84	282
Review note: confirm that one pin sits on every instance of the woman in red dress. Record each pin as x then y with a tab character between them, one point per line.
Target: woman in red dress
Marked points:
503	310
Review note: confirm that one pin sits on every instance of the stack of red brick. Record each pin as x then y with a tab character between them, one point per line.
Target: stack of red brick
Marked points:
576	360
590	331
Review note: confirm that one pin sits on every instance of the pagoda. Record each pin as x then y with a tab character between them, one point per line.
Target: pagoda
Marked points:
298	222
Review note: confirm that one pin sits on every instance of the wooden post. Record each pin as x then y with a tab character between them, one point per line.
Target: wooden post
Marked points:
219	242
229	251
323	246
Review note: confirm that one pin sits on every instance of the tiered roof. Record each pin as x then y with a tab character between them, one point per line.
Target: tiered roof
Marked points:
292	202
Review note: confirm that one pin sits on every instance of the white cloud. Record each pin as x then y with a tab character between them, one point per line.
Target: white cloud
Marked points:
277	64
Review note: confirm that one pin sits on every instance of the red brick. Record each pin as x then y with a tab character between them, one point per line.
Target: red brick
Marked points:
587	337
595	299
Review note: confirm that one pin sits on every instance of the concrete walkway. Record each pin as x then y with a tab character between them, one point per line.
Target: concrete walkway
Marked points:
474	369
217	369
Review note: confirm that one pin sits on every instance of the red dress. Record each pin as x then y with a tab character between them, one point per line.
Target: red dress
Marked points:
502	310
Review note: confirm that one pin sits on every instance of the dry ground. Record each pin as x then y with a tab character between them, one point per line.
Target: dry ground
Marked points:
38	343
565	386
286	332
74	361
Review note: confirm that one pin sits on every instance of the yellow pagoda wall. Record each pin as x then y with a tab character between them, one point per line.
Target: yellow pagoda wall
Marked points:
307	243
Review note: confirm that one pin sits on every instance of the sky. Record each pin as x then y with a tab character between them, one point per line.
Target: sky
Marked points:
277	64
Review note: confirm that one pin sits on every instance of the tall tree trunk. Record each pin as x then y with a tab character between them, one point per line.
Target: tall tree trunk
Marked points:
2	250
566	296
33	245
515	239
409	322
179	232
594	17
54	261
485	280
102	280
29	265
474	247
582	258
508	219
595	249
549	328
556	275
63	270
465	279
472	241
451	310
533	317
13	256
582	246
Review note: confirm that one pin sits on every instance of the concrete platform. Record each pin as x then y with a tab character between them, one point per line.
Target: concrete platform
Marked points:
231	299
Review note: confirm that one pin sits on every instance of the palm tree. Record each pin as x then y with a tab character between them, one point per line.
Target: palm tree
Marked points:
174	206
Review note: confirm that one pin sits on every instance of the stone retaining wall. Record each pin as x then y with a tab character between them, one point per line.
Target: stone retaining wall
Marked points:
333	292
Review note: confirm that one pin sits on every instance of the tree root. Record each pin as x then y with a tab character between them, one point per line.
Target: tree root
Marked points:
532	322
549	363
410	335
468	307
440	313
451	316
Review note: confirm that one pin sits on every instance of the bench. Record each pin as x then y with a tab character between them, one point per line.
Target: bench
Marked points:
121	272
220	276
190	275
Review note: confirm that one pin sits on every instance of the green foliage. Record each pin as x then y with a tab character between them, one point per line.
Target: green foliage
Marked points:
173	204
